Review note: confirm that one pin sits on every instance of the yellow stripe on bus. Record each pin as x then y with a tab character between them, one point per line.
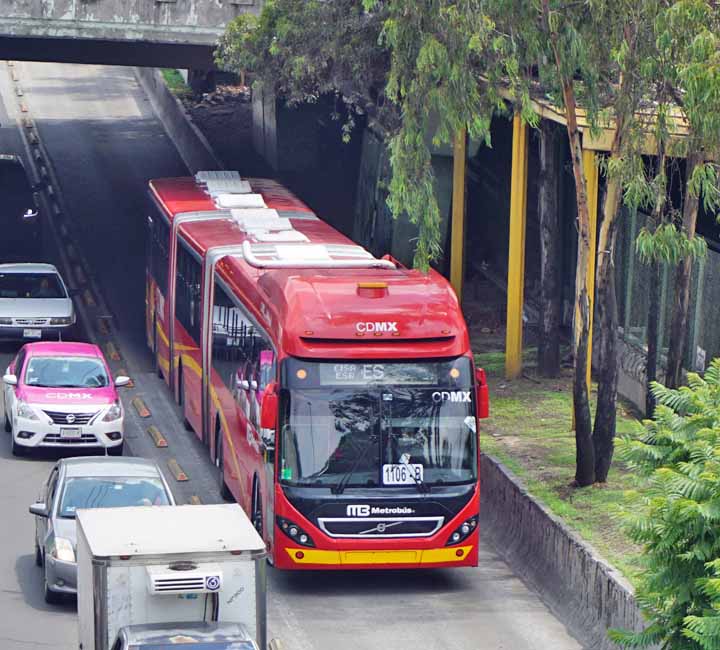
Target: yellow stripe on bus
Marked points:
420	556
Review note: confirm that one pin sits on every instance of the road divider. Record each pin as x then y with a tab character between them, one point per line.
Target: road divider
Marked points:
177	471
142	410
158	438
112	352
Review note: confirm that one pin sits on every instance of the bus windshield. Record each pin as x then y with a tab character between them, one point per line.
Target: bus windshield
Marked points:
378	424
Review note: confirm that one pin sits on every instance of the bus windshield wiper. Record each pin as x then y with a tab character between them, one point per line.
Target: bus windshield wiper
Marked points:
339	488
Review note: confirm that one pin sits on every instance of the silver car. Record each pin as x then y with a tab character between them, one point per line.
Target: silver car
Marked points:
34	302
90	482
208	636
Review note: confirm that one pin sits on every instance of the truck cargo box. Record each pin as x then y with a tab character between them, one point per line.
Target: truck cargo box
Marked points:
168	565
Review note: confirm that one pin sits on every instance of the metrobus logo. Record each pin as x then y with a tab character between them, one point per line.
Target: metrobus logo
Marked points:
364	510
381	326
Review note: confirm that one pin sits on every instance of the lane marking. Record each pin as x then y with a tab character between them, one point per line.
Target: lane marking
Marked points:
158	438
79	274
142	410
177	471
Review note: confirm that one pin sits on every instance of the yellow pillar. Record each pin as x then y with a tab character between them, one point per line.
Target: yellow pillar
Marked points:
590	165
457	238
516	252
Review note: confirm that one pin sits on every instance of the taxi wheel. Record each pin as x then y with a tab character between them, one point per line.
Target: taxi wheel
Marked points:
17	450
116	451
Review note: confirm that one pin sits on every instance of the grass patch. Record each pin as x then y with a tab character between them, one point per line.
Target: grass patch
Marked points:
175	83
529	430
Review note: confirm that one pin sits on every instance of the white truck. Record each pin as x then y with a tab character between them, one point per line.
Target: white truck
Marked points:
195	569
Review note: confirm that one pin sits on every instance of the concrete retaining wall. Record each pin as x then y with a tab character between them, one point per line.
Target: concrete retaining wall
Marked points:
192	145
586	593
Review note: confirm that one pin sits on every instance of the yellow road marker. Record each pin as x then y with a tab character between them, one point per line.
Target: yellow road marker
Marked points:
112	351
124	372
88	298
142	410
177	471
157	437
195	500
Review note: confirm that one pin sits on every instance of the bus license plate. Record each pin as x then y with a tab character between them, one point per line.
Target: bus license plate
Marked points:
70	433
32	334
400	474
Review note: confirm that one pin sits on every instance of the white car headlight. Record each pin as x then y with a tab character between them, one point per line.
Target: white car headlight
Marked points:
113	413
63	550
25	411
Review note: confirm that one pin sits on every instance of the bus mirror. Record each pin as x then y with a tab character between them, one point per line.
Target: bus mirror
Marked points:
269	407
242	384
482	394
253	385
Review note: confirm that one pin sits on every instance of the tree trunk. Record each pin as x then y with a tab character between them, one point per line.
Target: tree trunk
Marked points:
607	323
584	450
550	253
681	295
653	314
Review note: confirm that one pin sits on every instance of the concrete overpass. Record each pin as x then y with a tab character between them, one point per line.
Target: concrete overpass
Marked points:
177	33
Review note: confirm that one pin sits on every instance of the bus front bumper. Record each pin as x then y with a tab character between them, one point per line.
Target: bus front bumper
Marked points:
311	558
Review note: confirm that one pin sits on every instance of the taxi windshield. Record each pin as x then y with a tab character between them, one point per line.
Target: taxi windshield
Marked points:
66	372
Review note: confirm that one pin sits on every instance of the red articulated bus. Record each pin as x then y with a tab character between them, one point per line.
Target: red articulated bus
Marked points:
335	391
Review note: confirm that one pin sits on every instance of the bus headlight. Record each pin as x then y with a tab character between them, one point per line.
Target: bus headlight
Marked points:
294	532
62	320
463	531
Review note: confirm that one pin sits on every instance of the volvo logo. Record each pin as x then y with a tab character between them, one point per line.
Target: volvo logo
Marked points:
380	528
70	418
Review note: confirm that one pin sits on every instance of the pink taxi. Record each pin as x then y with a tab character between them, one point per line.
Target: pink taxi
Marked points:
62	395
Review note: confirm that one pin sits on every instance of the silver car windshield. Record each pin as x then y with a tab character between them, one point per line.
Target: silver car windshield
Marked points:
66	372
115	492
31	285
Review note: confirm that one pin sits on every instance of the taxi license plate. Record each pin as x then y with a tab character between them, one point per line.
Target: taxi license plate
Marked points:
32	334
401	474
73	433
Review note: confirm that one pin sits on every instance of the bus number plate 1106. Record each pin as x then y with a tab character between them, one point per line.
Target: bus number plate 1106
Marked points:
400	474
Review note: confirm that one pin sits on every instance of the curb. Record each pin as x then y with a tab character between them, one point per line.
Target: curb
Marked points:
193	147
584	591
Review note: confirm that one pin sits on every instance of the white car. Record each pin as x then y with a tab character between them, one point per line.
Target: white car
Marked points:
34	302
61	395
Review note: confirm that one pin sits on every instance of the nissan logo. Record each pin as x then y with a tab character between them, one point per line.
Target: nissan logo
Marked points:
70	418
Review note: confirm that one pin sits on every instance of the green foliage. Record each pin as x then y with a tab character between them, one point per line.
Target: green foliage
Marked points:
679	525
668	244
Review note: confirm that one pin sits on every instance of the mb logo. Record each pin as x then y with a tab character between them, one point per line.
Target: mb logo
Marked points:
212	583
358	511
